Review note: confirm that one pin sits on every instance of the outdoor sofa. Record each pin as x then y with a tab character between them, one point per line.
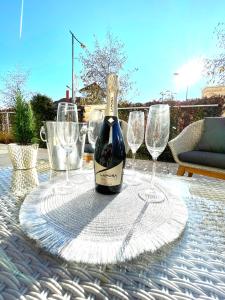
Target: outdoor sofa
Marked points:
200	148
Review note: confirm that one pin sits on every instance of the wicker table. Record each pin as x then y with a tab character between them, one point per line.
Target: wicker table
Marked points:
191	268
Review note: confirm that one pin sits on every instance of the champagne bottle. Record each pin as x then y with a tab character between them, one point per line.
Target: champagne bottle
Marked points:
110	155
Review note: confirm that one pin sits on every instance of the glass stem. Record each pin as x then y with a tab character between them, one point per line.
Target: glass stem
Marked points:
153	171
67	167
133	161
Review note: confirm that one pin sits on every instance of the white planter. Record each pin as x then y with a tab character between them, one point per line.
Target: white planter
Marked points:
23	157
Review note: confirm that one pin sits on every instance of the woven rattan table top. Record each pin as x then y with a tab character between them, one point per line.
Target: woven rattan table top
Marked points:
193	267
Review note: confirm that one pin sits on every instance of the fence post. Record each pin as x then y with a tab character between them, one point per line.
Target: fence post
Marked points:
7	121
223	111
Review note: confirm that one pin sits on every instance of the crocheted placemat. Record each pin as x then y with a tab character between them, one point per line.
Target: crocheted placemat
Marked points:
89	227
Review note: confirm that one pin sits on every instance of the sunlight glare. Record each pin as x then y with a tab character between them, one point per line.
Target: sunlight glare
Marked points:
188	74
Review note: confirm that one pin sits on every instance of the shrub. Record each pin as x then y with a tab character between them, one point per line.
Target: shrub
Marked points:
44	110
6	137
23	126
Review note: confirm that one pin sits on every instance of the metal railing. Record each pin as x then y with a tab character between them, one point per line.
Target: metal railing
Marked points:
175	106
5	123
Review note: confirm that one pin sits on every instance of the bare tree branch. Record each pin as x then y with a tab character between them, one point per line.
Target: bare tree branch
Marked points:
13	81
106	59
215	67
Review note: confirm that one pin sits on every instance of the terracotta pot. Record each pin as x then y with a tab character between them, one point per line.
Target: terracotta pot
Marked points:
23	157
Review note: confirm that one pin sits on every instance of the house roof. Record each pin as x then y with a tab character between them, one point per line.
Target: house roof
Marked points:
90	86
65	100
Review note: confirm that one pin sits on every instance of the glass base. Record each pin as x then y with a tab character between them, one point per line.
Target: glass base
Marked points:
152	195
133	181
132	178
63	187
78	177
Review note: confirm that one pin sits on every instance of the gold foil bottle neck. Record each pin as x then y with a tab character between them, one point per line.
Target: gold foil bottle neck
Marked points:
111	94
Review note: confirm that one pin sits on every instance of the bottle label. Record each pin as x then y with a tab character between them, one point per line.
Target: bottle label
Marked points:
108	177
111	109
111	95
111	106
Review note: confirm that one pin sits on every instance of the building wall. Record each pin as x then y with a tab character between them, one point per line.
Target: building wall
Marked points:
89	108
211	91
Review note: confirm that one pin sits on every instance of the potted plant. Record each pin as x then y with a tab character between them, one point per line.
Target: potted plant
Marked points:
23	153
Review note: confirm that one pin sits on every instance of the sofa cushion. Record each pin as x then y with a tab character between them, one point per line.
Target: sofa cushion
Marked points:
210	159
213	136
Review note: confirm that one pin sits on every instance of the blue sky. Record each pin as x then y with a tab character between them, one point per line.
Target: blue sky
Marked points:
160	36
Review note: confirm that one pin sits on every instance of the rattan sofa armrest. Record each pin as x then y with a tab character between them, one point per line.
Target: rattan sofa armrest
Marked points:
187	139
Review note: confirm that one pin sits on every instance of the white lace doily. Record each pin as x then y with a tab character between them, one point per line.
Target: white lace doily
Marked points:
89	227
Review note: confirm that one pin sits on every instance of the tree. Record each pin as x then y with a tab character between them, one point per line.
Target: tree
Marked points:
43	109
106	59
23	125
215	67
14	82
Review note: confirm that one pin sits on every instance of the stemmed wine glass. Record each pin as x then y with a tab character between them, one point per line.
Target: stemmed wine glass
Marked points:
156	138
94	126
67	130
135	134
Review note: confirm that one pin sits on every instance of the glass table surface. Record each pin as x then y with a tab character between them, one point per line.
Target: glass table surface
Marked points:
192	267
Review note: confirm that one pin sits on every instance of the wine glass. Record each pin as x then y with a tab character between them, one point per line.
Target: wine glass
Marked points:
135	135
94	126
156	138
67	130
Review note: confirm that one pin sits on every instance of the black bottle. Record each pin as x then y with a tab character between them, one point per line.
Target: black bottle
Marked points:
110	155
